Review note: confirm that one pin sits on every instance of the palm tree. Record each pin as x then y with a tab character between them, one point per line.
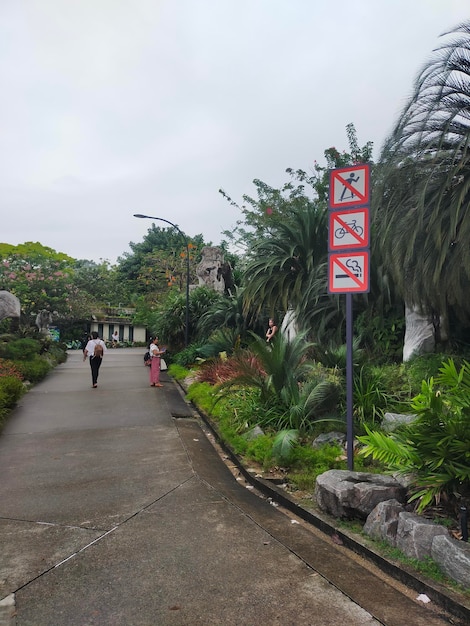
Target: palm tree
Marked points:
286	269
283	375
423	192
224	312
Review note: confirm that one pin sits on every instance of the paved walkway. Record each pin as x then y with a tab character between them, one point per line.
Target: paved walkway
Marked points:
115	512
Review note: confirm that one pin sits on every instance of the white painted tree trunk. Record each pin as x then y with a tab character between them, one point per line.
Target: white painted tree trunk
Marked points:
419	333
289	327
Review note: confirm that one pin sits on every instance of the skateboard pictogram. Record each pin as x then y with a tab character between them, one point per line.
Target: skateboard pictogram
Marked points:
349	186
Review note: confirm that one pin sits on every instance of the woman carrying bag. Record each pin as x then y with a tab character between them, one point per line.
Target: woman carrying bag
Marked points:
155	354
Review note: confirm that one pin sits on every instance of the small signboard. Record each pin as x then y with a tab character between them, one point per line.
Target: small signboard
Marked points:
348	272
348	229
349	186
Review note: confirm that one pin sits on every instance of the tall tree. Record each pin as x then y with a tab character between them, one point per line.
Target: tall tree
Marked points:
423	193
42	279
158	262
286	237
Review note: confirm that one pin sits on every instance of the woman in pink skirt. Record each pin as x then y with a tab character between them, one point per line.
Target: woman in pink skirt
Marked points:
155	354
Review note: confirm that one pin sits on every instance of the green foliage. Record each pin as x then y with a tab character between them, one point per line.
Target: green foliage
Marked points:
42	279
187	357
20	349
435	449
260	450
334	355
382	335
178	372
424	367
158	262
307	463
280	371
169	318
102	282
284	443
422	193
225	340
11	390
203	396
371	397
34	369
224	313
425	566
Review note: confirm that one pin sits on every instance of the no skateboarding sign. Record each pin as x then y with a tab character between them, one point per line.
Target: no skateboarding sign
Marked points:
349	186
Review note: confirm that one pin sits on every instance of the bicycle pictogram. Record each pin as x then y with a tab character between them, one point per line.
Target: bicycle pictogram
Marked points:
342	231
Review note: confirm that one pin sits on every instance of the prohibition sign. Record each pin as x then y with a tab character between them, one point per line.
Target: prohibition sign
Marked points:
349	186
348	272
348	229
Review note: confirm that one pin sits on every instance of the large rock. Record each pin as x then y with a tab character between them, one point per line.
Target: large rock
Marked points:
210	271
332	438
453	557
392	421
382	522
415	535
9	305
342	493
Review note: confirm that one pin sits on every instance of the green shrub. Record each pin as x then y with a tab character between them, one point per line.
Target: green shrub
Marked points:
203	396
260	449
187	357
423	367
372	393
11	390
178	372
55	351
20	349
34	369
434	450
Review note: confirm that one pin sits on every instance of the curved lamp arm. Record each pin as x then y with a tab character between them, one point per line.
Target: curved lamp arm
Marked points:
161	219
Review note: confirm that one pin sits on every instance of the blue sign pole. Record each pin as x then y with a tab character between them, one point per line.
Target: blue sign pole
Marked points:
349	382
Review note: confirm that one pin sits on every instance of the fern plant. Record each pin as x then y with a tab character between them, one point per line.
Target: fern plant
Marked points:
435	449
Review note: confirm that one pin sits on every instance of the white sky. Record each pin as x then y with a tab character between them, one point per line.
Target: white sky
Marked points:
115	107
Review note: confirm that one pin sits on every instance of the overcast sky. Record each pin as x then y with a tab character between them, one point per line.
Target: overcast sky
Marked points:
115	107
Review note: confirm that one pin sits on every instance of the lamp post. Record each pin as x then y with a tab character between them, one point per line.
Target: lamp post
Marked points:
186	242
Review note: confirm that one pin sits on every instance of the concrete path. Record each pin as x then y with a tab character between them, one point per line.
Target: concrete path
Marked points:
114	512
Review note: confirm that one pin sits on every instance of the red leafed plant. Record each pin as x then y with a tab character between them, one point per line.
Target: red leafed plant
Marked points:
8	368
220	370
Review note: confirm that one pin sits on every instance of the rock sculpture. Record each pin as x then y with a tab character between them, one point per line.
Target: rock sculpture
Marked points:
212	269
43	320
9	305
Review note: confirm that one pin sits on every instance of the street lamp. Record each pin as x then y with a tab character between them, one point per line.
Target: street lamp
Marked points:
161	219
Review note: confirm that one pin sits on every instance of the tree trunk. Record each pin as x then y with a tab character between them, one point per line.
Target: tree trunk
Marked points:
419	333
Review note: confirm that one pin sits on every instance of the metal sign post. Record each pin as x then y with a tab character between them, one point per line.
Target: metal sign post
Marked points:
348	259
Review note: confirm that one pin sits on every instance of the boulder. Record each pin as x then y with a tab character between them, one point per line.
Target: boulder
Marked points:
392	421
254	433
453	557
382	522
9	305
415	535
342	493
335	438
